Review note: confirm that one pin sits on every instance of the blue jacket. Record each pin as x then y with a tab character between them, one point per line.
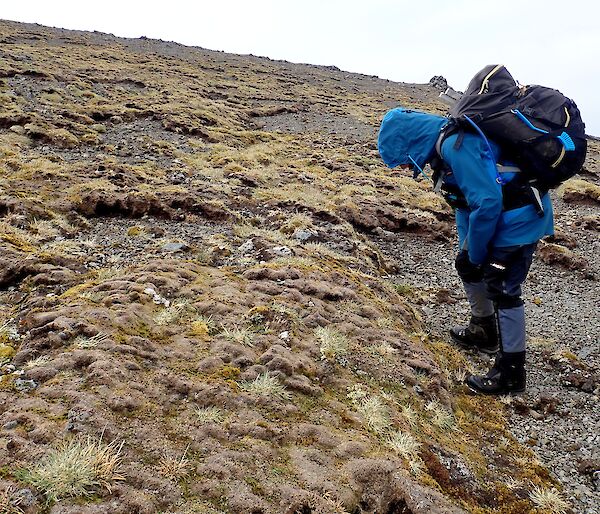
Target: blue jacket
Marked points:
406	134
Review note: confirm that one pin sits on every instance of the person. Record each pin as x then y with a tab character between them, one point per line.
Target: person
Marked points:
499	224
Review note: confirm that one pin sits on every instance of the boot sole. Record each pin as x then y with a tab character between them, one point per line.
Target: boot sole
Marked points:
462	344
514	392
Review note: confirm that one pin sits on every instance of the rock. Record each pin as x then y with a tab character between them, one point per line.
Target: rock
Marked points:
596	480
282	251
438	82
304	235
588	466
177	178
175	247
156	298
247	247
25	386
18	129
24	498
10	425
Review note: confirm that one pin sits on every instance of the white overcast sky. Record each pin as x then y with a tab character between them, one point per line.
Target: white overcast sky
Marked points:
549	42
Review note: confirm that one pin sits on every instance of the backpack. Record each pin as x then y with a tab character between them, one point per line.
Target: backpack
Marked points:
537	128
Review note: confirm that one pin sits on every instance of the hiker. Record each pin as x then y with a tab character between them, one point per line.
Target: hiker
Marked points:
502	210
497	237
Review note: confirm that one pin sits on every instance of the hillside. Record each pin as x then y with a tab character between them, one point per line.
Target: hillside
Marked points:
214	297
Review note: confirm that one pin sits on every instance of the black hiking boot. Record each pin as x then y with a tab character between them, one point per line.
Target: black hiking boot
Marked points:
480	334
507	376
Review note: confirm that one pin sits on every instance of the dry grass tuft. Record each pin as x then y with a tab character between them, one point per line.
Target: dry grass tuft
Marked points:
8	504
441	417
79	467
383	350
460	375
333	344
404	444
376	414
38	362
410	415
266	385
548	500
210	415
85	343
171	314
175	469
239	335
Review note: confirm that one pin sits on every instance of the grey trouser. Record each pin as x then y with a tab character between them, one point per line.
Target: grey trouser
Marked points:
495	287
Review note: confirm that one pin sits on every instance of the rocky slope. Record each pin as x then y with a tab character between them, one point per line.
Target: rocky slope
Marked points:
204	306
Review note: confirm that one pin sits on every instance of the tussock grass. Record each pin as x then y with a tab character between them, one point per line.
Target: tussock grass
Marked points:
210	415
247	231
382	350
85	343
78	467
409	414
548	500
174	468
169	315
404	444
37	362
404	289
44	229
105	274
332	344
375	413
385	322
440	416
266	385
239	335
297	221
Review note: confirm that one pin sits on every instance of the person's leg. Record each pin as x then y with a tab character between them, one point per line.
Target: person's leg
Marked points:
480	333
503	275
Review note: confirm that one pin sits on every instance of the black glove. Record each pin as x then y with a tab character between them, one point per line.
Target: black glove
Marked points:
468	271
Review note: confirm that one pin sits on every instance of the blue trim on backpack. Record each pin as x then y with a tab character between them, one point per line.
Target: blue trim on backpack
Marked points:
499	179
564	138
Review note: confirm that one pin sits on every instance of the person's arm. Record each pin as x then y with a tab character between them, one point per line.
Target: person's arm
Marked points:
474	170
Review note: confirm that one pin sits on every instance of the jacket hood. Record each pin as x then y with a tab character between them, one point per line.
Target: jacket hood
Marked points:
404	132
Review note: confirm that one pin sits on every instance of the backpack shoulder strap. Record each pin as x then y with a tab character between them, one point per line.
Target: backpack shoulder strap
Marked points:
452	127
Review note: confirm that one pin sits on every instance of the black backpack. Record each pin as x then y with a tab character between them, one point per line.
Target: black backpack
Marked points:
537	128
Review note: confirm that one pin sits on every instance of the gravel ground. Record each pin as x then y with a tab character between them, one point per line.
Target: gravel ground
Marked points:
559	421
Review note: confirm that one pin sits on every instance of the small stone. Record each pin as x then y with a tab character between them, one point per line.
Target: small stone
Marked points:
589	466
304	235
175	247
156	231
284	335
247	247
177	178
536	415
24	386
282	251
596	480
11	425
17	129
24	498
